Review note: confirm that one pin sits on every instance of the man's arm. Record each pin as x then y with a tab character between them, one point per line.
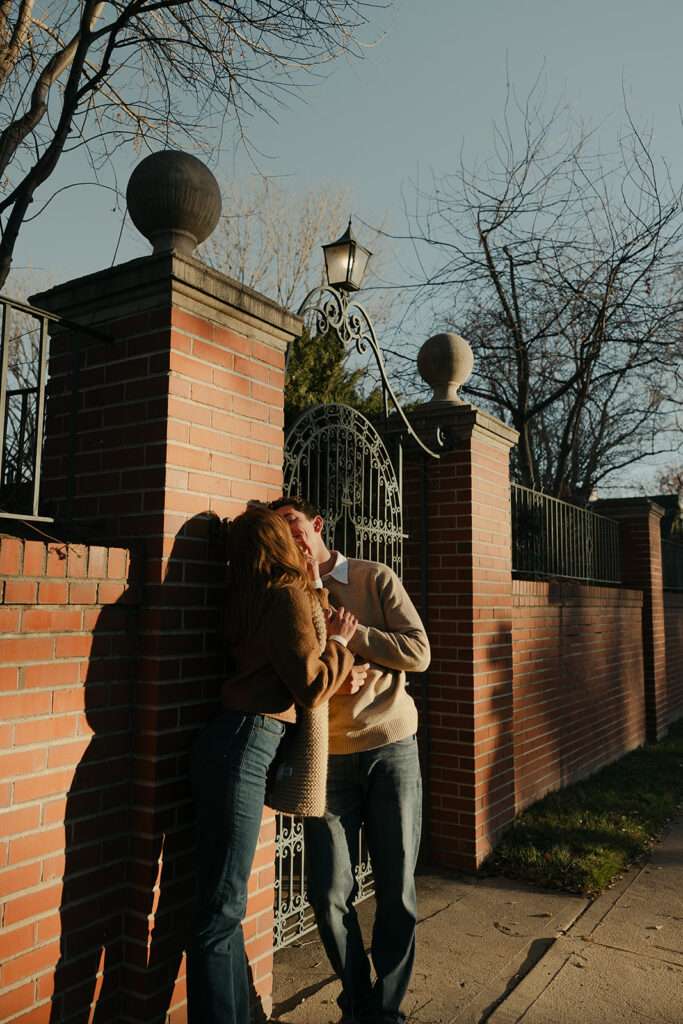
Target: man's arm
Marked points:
403	643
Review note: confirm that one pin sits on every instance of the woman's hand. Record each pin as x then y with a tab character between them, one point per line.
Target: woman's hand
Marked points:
355	679
312	564
341	623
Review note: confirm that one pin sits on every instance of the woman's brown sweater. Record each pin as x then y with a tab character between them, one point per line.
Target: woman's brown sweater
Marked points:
280	665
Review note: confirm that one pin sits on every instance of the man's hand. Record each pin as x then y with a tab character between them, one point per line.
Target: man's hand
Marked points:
355	679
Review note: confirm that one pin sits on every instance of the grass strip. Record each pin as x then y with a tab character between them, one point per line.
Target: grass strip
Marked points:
582	837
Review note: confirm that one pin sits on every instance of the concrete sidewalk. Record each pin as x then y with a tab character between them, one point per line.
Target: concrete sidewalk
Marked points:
501	951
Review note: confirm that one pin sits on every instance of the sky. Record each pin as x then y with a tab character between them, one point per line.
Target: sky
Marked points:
430	89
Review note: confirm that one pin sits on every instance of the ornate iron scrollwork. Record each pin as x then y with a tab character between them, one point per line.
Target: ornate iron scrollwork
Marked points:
336	458
351	323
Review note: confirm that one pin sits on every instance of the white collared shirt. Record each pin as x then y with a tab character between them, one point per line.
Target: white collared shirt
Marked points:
340	569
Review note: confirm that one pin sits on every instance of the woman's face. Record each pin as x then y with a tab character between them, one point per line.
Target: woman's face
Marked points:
293	551
300	553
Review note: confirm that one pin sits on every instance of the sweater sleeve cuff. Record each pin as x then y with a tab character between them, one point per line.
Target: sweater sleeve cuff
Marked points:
317	584
359	640
339	639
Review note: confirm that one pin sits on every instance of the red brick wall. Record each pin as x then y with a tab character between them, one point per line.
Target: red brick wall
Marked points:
468	764
673	628
97	857
641	563
172	406
180	421
532	685
578	682
66	621
98	823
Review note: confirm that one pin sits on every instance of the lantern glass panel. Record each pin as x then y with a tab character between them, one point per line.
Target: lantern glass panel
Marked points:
357	266
337	258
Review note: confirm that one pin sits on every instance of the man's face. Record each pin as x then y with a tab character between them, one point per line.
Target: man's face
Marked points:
303	529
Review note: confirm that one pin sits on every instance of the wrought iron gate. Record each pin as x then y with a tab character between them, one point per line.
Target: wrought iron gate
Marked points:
335	458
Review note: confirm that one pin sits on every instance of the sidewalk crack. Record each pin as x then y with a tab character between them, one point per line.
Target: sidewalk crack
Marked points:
439	910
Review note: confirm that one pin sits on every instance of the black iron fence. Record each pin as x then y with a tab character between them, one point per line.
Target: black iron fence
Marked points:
552	539
23	367
672	564
23	376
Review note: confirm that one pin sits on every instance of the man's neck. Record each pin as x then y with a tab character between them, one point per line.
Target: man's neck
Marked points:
328	564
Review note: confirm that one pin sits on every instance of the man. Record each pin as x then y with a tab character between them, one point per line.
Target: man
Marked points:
373	779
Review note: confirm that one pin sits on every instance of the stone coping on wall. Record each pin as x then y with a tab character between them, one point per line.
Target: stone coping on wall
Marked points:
164	280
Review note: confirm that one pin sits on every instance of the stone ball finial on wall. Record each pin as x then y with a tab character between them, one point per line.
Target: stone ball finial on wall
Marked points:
445	362
173	200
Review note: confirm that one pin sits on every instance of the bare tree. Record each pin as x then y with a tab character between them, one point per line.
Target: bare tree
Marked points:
270	234
148	73
269	238
559	262
671	480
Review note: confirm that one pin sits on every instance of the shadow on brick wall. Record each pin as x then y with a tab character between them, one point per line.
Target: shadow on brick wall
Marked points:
190	667
92	911
152	683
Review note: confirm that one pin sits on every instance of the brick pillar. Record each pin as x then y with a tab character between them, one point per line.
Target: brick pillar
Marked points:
180	421
466	582
641	569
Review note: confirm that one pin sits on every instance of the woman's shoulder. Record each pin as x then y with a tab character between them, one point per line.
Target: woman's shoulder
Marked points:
292	598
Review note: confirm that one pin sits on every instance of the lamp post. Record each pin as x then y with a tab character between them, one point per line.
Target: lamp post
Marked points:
346	261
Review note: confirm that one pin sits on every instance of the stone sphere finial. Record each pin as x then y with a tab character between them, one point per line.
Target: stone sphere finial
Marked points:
173	200
445	362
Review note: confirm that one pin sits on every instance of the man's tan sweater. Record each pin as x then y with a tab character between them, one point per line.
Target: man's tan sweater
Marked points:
392	638
280	664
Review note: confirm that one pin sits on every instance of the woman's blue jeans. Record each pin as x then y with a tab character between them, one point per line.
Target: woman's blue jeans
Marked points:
382	790
228	768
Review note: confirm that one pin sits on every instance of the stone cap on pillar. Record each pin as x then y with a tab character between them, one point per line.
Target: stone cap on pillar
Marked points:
173	200
627	508
445	362
457	422
165	280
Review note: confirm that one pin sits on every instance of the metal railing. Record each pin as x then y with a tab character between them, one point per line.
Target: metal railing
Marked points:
23	370
293	913
672	565
23	376
552	539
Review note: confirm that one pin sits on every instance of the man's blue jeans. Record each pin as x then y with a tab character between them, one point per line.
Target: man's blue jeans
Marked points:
381	789
228	769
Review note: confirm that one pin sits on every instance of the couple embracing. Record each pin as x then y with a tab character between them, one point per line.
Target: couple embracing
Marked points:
280	575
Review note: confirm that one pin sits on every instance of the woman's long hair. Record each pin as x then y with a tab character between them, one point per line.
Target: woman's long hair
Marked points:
262	557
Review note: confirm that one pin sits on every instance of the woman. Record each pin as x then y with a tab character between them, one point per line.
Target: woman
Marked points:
277	664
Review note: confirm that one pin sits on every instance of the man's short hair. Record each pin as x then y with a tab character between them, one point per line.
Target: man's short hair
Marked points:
297	503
